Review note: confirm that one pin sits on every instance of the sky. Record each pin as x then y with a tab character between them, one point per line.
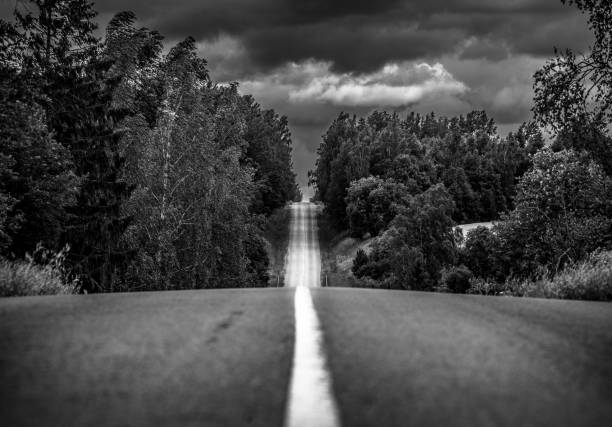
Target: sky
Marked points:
311	60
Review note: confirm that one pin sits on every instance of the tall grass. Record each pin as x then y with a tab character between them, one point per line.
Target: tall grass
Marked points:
589	279
42	273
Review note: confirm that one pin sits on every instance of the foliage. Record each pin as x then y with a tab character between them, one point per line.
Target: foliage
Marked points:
268	151
573	93
464	153
277	235
417	244
155	176
36	179
456	279
480	252
563	212
407	180
6	204
258	260
481	286
372	203
334	168
590	279
360	261
43	273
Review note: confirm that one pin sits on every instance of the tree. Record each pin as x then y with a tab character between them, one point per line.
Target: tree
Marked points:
372	203
36	179
268	151
418	243
59	37
464	153
195	181
573	93
329	177
140	163
563	212
361	260
481	253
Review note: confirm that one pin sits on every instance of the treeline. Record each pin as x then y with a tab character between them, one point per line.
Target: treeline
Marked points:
152	175
407	182
367	165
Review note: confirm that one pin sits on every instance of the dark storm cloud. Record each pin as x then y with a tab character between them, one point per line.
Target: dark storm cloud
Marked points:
362	35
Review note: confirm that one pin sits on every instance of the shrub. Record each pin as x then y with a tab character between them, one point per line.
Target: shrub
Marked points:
590	279
456	279
361	259
40	274
510	287
480	286
562	213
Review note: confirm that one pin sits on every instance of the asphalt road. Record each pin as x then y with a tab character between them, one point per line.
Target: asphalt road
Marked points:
225	357
420	359
187	358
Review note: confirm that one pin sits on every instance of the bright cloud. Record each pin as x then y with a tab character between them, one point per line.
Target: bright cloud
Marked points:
395	85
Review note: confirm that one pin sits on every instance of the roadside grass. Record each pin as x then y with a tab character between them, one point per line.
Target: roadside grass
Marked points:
277	236
41	274
590	279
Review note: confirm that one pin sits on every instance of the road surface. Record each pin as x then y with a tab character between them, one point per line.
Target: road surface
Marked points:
226	357
310	398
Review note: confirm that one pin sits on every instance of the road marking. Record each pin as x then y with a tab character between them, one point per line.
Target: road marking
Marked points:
311	402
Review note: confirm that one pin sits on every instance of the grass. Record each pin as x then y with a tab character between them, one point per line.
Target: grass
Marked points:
589	279
28	277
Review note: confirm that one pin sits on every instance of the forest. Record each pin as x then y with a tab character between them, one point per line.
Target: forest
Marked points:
124	166
405	182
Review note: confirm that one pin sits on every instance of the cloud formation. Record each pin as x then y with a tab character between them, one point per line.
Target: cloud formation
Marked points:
363	35
394	85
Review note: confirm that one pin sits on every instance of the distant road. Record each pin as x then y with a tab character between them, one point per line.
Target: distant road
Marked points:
310	399
225	357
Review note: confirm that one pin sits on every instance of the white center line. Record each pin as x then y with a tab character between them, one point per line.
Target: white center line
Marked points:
311	402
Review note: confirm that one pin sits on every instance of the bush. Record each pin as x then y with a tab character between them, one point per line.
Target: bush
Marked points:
562	213
361	259
480	286
590	279
40	274
456	279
